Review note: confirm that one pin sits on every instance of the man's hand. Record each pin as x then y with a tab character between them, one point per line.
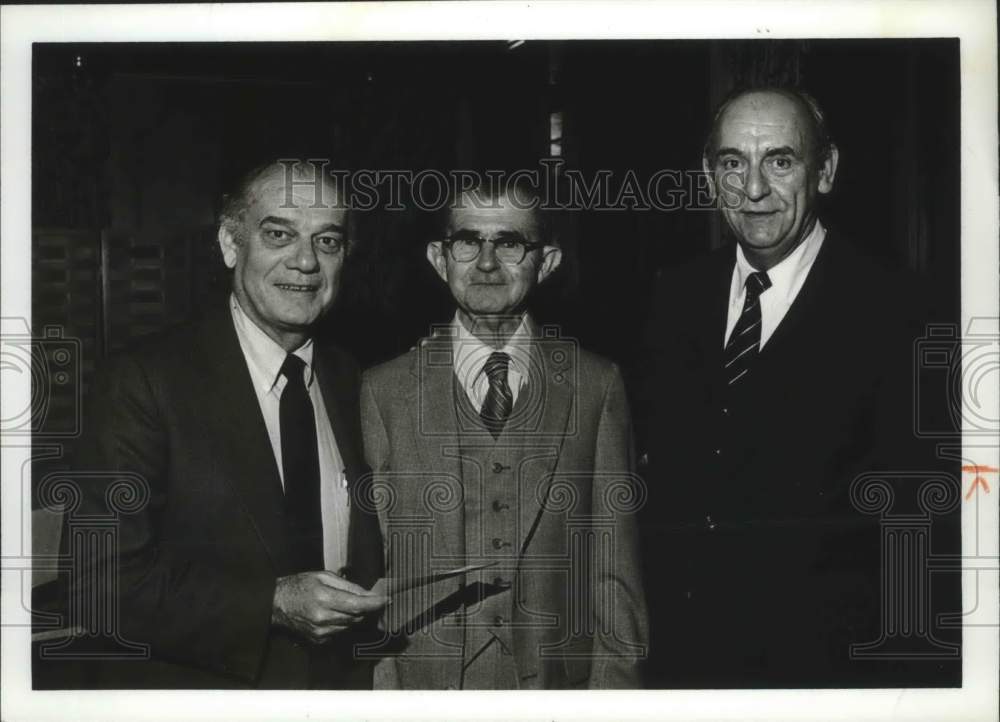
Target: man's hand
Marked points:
319	605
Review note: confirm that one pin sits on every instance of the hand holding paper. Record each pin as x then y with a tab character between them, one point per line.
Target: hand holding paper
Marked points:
387	586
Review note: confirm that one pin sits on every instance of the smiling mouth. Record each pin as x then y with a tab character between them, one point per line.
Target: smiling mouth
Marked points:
296	288
759	216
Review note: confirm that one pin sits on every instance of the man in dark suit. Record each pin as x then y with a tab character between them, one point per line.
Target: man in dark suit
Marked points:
777	372
496	442
239	559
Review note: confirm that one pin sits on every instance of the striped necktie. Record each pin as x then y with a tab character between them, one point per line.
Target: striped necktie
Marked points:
744	342
499	400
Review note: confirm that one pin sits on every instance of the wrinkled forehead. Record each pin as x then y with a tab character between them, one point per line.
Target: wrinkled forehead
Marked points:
489	216
770	118
289	189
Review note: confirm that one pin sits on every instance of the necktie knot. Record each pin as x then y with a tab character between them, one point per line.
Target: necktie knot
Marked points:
757	283
496	367
293	369
499	400
744	341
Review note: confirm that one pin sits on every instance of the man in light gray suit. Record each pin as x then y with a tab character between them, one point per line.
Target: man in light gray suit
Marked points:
500	445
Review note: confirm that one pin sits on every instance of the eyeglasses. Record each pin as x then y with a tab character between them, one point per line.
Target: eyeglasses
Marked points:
510	248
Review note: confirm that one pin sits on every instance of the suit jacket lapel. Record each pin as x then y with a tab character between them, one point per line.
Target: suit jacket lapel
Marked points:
814	288
435	429
553	375
235	420
339	401
712	330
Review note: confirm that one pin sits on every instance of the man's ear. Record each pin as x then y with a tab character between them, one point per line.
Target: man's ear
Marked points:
828	171
435	254
228	245
551	258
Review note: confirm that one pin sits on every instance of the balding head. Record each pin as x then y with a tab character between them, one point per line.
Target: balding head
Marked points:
803	106
308	180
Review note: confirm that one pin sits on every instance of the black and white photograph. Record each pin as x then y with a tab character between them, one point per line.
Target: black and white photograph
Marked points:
643	356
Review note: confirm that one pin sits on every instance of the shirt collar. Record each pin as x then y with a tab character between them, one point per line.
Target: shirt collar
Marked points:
263	353
470	353
787	275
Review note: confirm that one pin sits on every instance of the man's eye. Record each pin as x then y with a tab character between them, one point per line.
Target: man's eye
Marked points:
781	163
511	243
277	235
730	163
330	244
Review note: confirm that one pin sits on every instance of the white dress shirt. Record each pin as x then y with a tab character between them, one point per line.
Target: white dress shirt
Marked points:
786	277
264	359
470	356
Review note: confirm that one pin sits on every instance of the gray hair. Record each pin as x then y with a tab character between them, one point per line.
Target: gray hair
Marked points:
822	139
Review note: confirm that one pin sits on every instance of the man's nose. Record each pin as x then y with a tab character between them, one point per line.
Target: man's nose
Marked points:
756	186
487	259
304	258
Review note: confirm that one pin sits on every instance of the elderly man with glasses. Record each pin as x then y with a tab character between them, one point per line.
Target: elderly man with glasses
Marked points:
504	450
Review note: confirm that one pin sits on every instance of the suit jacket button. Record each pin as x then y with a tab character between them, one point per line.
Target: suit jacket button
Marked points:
497	467
498	620
499	506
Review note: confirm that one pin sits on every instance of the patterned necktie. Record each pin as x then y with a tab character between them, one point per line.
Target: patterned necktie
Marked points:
744	342
300	468
499	399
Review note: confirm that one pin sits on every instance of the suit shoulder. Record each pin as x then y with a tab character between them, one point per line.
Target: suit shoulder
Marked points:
164	349
388	373
882	289
594	364
697	269
693	279
595	371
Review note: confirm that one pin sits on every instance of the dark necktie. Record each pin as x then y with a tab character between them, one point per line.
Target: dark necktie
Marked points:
744	342
499	399
300	466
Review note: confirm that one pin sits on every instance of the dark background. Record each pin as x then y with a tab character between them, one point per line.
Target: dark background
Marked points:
134	144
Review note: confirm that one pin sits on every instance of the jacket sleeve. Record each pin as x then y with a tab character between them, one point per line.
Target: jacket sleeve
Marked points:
186	610
622	636
376	441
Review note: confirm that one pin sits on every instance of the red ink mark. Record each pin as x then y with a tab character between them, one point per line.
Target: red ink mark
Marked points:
979	480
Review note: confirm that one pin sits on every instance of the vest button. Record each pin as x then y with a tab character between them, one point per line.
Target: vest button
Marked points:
499	543
497	467
498	620
499	582
500	506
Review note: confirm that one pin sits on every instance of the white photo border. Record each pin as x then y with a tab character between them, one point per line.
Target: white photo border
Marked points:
974	22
